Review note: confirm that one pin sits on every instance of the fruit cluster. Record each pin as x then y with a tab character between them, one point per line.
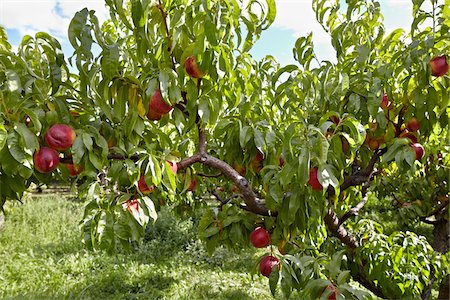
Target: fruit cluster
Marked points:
59	138
157	107
260	238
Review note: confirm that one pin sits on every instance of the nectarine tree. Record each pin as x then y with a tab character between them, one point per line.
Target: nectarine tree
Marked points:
174	100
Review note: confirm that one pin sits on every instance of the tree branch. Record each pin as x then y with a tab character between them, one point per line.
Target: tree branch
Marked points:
438	209
209	175
362	278
359	176
426	221
187	162
337	230
201	140
166	27
354	211
252	202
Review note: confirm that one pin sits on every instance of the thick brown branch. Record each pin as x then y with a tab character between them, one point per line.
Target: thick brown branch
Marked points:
354	211
368	284
252	202
209	175
187	162
337	230
439	209
362	176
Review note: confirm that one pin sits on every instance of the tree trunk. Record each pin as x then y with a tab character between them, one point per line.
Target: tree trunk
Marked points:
441	241
444	289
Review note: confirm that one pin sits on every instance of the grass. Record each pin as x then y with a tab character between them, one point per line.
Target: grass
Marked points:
42	257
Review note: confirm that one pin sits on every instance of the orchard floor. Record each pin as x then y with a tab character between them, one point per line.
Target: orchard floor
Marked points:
42	257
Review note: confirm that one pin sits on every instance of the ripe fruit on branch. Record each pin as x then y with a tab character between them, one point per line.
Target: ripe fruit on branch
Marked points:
74	170
345	146
420	151
439	66
27	120
332	289
143	186
266	265
157	107
373	143
335	119
191	67
260	237
313	181
173	166
132	204
257	161
60	137
413	124
281	161
46	160
192	185
409	135
385	103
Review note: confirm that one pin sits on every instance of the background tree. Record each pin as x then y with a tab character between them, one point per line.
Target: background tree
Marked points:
168	107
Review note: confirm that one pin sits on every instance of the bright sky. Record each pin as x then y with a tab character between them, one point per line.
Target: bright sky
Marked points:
294	18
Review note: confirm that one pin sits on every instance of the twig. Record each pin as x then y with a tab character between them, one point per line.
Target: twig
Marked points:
166	27
358	176
224	201
354	211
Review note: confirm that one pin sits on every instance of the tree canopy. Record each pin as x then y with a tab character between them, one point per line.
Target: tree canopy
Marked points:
168	107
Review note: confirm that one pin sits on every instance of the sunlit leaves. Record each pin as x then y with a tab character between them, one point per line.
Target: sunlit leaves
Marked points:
3	136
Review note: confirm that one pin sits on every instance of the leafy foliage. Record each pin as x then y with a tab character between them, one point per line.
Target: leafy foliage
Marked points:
261	125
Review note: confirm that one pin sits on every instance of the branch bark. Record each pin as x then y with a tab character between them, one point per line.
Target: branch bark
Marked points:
337	230
358	177
354	211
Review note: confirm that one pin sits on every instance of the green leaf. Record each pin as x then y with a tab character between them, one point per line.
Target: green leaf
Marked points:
95	160
394	148
16	147
259	140
87	140
273	279
327	175
30	139
244	136
34	119
3	136
303	165
210	231
150	206
76	26
271	13
13	81
110	61
78	149
171	176
137	13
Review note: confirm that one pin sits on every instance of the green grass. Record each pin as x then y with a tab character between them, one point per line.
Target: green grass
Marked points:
42	257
